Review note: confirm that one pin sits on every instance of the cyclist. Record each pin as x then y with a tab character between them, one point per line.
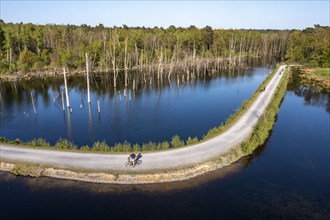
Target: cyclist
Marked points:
132	158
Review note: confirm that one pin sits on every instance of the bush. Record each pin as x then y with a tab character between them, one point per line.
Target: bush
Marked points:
191	141
150	146
245	104
211	133
165	145
63	143
32	143
176	141
232	118
85	148
136	148
100	146
40	142
127	147
159	146
4	140
118	147
43	142
153	145
16	141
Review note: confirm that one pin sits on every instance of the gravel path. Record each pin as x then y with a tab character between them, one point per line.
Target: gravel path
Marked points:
157	160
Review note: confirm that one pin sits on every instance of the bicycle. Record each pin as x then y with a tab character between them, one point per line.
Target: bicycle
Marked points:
130	163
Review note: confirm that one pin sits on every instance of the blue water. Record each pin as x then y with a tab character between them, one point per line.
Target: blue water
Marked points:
154	112
286	178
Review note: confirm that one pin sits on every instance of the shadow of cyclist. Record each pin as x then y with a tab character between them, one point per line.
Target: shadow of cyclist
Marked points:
138	156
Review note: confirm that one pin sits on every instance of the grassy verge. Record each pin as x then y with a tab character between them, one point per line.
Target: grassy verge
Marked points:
319	78
174	143
240	111
323	73
267	120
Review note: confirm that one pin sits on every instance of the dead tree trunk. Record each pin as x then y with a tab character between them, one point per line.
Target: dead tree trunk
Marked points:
125	63
171	68
66	90
87	72
160	65
136	56
115	73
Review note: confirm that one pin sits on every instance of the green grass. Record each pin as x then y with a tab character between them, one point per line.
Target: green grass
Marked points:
318	78
323	73
238	112
265	124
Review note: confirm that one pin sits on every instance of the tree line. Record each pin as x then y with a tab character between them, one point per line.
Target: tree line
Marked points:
26	47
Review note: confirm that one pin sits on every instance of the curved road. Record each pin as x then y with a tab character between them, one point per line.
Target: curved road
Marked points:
157	160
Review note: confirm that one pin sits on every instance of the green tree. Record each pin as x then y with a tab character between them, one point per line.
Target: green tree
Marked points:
208	36
165	145
66	45
27	60
46	57
2	40
136	148
176	141
191	141
100	146
65	144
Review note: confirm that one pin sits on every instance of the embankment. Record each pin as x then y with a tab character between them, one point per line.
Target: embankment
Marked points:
174	165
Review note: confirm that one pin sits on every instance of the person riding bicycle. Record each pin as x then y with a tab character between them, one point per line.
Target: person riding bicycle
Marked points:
132	158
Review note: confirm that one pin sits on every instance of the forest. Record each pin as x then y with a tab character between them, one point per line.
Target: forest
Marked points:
30	47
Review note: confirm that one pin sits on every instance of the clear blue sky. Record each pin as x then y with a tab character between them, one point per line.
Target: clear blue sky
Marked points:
218	14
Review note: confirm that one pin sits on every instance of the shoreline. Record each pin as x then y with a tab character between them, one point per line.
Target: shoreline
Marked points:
171	174
54	72
34	170
309	77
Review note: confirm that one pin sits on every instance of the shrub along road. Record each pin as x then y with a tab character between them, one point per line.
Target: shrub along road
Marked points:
151	161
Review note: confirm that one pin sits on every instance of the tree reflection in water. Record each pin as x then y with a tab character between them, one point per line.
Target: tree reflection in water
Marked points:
312	96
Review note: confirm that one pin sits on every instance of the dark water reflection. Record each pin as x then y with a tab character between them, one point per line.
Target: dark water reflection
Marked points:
312	96
150	112
287	178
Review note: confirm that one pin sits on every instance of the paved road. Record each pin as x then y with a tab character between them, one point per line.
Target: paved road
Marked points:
157	160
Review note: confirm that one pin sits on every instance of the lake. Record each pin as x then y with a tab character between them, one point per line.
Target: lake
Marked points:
151	112
286	178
